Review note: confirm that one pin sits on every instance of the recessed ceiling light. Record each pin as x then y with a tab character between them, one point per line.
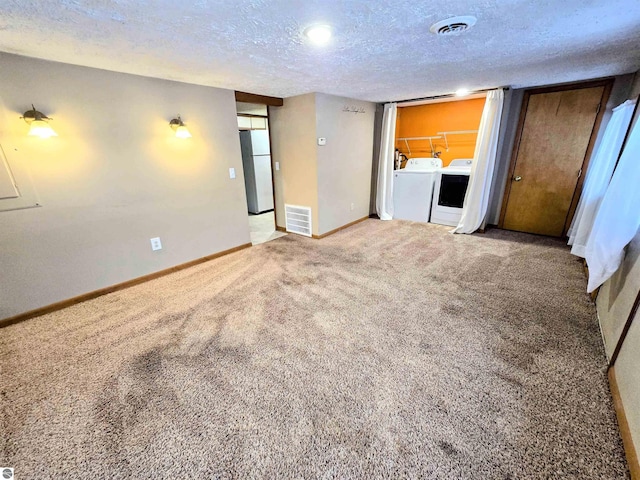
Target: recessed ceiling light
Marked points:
462	92
318	34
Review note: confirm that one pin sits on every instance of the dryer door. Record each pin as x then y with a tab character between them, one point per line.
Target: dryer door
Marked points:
452	190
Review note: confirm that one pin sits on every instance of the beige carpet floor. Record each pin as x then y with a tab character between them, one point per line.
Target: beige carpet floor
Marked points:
387	350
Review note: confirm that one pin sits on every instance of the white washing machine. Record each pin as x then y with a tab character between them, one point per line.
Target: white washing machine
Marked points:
449	191
413	189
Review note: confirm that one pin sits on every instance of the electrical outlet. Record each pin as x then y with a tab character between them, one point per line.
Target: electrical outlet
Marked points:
156	244
277	165
353	206
232	173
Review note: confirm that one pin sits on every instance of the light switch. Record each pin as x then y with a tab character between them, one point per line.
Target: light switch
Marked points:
277	165
322	141
232	173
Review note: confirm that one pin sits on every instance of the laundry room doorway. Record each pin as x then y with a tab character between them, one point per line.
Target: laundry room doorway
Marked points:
435	142
555	137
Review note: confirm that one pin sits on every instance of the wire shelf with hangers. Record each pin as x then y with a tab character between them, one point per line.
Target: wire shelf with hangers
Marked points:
456	132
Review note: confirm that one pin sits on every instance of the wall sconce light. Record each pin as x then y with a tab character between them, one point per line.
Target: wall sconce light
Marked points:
179	127
38	123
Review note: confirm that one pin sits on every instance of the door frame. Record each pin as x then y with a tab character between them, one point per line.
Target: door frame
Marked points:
246	97
607	83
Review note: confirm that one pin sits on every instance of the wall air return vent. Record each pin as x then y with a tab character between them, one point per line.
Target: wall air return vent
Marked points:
453	25
298	219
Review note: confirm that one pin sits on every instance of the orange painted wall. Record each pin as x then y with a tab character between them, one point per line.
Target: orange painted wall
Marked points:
427	120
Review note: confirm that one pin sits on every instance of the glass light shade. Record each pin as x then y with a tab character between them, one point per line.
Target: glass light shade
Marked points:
40	128
319	34
183	132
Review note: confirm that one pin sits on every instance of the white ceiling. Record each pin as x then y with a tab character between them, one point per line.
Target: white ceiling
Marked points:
381	49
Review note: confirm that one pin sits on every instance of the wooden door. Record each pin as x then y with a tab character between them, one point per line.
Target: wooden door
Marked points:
556	134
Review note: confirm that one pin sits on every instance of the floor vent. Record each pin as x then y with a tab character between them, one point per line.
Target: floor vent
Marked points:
298	219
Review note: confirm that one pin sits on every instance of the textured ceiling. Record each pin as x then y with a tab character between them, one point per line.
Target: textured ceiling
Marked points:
381	49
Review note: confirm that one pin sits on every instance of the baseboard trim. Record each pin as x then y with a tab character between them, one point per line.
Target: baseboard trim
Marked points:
318	237
114	288
623	426
280	229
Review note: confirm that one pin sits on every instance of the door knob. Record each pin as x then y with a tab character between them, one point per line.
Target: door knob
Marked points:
517	178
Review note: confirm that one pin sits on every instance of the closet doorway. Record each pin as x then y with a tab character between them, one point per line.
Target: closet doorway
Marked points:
555	137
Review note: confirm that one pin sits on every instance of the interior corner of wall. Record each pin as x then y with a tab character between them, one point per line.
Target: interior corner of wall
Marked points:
635	85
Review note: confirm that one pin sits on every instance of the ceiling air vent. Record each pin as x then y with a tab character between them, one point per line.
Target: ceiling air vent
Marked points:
453	25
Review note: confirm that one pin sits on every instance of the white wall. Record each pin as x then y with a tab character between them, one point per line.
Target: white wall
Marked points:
344	163
113	178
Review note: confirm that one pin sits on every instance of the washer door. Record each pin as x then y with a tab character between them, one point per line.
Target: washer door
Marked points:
412	194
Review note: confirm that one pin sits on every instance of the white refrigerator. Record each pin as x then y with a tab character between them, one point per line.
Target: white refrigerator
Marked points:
256	162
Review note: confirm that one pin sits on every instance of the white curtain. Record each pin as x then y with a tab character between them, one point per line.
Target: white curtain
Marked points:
476	200
598	176
618	217
384	193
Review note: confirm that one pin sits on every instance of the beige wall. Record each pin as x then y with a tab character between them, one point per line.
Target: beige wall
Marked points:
614	303
293	145
328	178
635	88
616	297
113	178
344	163
628	379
